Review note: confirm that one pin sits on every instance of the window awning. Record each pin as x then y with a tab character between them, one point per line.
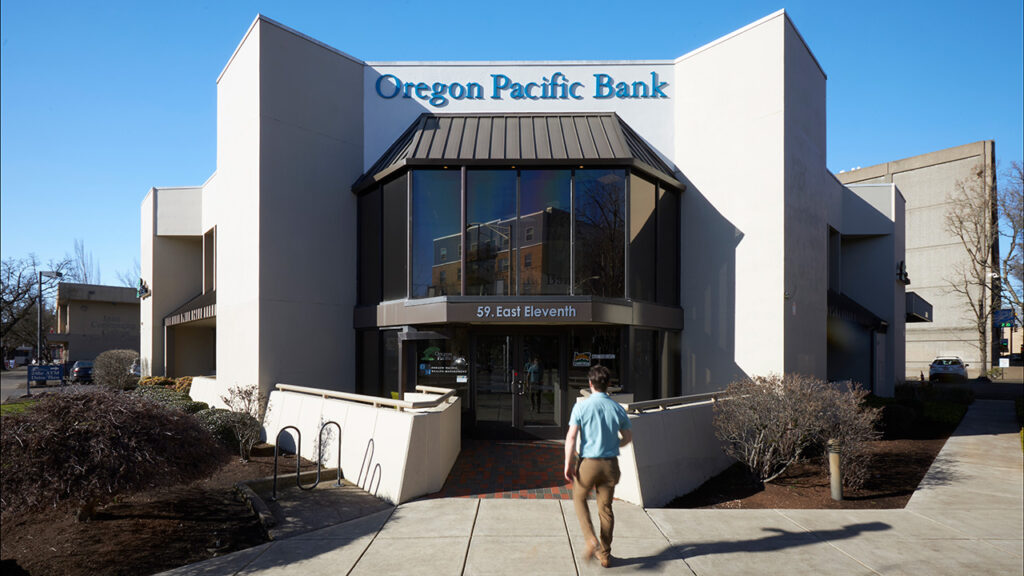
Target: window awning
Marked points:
521	140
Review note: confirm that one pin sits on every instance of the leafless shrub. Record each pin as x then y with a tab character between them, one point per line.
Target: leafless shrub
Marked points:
770	422
87	448
849	421
248	405
113	369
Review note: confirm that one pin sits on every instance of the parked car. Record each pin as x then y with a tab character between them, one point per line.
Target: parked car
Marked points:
947	368
81	371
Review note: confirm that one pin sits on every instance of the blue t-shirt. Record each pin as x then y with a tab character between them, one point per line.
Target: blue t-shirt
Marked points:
600	418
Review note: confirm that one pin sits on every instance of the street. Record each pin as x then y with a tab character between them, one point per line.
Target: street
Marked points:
12	383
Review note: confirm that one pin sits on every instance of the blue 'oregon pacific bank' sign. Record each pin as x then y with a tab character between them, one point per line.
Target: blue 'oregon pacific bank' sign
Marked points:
558	87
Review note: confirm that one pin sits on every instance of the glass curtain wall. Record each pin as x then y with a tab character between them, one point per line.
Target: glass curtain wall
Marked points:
600	209
490	230
545	226
643	239
436	233
394	242
527	232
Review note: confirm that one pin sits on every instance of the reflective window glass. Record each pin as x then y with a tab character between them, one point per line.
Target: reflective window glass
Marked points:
643	240
369	247
600	243
394	240
436	213
490	229
668	247
545	217
597	346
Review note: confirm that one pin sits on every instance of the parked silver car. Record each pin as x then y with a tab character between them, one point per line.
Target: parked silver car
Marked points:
947	368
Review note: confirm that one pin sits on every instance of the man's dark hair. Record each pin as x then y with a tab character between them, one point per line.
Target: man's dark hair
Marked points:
599	376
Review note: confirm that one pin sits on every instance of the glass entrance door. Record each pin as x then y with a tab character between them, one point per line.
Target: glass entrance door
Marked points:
518	382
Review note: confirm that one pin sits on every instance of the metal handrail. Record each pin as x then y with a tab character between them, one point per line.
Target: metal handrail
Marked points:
444	395
662	404
298	457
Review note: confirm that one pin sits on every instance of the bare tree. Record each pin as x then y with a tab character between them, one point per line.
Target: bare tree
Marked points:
130	278
973	220
19	278
83	269
1011	220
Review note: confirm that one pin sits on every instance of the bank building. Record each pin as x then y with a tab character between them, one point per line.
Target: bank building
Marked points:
392	229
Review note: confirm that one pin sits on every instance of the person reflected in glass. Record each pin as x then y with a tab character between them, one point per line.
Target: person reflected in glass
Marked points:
534	377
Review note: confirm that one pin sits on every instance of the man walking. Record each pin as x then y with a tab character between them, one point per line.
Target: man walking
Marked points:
598	421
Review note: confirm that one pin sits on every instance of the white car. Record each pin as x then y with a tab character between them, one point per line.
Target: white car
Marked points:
947	368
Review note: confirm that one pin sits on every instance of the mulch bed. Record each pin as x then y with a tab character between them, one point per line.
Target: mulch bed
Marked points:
166	528
146	533
898	466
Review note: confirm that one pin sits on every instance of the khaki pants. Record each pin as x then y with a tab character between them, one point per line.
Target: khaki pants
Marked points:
601	474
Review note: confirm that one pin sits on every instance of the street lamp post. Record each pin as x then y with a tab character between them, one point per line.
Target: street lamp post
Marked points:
39	326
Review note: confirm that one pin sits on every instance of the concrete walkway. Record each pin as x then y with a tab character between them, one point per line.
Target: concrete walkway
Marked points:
966	518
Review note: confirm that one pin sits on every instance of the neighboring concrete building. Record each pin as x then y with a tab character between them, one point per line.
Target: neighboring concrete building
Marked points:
673	220
92	319
933	254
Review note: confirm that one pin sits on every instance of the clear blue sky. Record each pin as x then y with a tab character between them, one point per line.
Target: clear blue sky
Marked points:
99	101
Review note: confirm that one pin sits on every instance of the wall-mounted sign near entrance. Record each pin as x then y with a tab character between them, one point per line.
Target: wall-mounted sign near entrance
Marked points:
533	313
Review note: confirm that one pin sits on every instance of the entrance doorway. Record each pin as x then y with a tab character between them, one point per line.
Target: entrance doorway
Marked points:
519	385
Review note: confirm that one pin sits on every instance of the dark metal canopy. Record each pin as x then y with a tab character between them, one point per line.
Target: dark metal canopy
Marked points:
201	307
519	139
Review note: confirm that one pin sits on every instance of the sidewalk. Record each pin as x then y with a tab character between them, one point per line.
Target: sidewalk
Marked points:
966	518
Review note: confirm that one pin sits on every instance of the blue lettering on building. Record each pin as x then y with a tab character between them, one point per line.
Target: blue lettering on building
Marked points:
556	87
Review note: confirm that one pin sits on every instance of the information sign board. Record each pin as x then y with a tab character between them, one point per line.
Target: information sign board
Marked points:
38	373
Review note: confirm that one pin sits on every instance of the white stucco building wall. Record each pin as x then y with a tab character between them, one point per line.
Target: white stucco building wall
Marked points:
742	123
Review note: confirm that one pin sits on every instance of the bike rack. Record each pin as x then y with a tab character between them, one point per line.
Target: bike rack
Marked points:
367	460
298	457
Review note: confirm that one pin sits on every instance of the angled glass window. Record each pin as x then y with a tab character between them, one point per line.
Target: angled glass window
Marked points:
436	213
643	239
545	206
668	247
490	229
600	235
369	226
395	240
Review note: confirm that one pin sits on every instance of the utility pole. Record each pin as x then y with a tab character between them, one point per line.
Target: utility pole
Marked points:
39	326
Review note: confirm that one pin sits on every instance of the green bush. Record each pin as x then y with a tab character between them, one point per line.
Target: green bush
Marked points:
87	448
222	424
113	369
171	398
944	412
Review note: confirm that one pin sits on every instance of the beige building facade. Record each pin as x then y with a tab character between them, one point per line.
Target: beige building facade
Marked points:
92	319
934	256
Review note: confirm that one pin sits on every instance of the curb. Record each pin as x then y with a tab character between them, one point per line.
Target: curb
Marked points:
257	505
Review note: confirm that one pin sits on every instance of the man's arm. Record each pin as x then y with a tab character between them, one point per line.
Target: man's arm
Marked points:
627	437
570	451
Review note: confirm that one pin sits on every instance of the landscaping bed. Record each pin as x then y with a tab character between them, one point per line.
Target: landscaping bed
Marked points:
146	533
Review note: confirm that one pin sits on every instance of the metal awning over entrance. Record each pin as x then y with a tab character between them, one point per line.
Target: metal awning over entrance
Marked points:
519	139
202	307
